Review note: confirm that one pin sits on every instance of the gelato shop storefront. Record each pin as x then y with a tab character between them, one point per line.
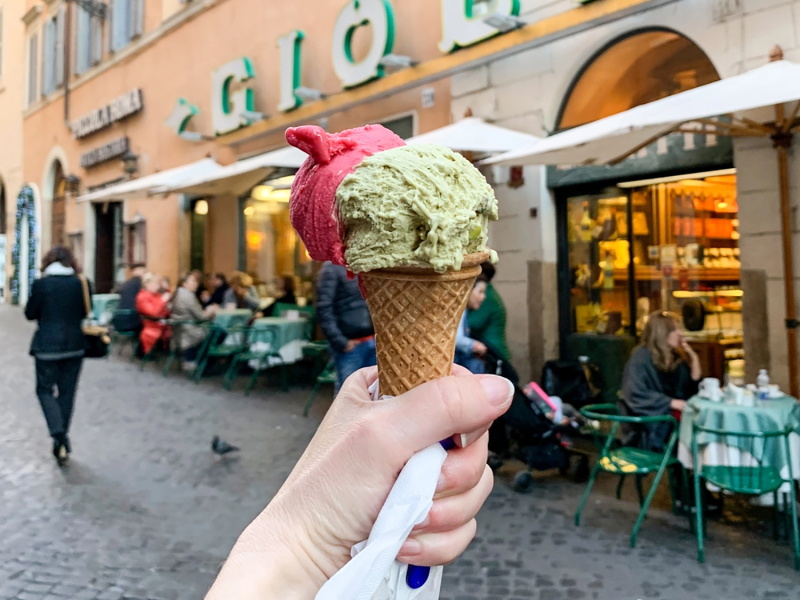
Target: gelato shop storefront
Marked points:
658	231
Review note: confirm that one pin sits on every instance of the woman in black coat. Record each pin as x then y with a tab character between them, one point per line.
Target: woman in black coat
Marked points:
57	303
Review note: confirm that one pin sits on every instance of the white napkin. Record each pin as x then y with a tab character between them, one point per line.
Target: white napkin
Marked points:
373	573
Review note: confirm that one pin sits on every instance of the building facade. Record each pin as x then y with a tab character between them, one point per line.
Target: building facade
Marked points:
11	178
181	88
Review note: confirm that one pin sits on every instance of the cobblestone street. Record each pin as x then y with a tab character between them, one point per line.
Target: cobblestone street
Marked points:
144	512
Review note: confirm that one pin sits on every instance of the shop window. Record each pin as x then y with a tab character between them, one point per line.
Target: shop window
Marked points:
402	126
53	53
33	68
136	242
638	69
126	22
88	40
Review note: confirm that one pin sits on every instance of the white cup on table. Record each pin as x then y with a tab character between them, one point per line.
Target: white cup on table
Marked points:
709	388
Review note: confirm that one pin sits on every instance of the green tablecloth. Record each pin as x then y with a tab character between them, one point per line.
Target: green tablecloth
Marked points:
103	306
233	318
290	336
767	415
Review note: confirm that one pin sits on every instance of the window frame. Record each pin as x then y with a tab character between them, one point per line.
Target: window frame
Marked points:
32	72
136	241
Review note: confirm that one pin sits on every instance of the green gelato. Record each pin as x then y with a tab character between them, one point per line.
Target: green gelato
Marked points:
420	205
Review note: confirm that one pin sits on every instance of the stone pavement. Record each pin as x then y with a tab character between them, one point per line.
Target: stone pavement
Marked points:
144	512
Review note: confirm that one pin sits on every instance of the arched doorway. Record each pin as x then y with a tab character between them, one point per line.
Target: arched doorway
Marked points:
656	232
58	210
633	70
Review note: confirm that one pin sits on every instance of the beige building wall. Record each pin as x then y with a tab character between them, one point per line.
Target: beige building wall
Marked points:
12	78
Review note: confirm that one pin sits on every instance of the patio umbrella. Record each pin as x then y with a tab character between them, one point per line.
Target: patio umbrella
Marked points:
473	134
612	139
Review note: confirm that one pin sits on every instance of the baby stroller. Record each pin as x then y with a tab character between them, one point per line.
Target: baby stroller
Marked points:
527	434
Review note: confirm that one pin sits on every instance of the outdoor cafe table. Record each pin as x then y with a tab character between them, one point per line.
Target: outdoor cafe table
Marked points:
103	305
290	336
237	317
767	415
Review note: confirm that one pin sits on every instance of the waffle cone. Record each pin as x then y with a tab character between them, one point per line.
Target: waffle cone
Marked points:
416	314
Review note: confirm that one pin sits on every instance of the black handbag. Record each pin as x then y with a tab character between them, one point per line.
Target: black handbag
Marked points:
95	337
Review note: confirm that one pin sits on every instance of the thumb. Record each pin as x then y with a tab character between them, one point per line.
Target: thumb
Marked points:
439	409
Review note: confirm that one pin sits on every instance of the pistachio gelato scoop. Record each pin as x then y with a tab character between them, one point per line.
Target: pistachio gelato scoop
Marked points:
420	205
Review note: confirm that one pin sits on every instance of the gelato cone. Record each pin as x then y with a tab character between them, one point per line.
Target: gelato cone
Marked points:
416	314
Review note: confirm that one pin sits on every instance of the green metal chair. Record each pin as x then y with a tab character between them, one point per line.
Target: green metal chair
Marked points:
259	348
622	461
220	344
175	351
328	375
748	471
120	338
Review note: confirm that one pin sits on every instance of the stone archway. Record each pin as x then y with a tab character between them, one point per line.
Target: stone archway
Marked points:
635	69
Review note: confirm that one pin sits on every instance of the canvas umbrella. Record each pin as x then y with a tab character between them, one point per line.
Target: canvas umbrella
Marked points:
473	134
612	139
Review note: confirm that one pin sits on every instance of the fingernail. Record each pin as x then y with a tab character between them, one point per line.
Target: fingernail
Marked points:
410	547
499	390
462	440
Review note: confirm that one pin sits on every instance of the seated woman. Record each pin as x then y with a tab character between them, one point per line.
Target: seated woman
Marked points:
662	373
284	293
240	294
186	307
469	351
152	306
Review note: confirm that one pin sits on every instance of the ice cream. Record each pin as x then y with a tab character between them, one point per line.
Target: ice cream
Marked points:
421	205
332	156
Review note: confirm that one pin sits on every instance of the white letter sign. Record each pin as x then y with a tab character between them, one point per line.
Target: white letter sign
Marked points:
290	46
357	13
226	107
462	25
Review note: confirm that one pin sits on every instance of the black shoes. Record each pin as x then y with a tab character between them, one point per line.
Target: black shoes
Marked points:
61	449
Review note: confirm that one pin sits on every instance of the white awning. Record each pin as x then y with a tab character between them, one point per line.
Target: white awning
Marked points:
612	138
472	134
240	176
150	184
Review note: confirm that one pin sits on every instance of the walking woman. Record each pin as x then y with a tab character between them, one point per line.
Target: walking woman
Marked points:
58	304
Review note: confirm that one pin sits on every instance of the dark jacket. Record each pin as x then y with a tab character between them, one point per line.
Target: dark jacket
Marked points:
647	391
127	301
488	324
218	295
57	304
341	309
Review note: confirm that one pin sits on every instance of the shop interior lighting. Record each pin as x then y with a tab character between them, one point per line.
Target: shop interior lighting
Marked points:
201	207
703	175
308	94
281	183
267	193
252	116
503	23
195	136
249	211
396	61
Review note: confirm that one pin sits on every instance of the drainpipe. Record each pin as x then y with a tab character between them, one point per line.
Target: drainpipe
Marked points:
67	39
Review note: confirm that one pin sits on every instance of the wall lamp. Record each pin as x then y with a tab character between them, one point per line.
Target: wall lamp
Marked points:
503	23
72	184
130	163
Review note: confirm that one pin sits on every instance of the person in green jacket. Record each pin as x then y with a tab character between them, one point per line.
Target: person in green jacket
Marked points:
488	323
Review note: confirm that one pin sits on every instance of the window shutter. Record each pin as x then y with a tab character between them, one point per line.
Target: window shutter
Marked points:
48	57
33	67
60	22
83	40
97	41
137	17
120	17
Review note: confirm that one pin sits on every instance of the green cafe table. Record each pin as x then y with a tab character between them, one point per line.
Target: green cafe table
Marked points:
290	335
766	415
103	307
239	317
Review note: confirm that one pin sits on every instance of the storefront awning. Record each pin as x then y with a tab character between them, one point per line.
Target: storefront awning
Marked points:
472	134
240	176
150	184
614	138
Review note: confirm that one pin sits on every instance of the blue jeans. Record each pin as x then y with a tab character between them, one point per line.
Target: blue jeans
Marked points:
347	363
473	363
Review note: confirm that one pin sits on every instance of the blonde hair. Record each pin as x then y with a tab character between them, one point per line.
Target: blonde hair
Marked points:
239	279
659	325
148	277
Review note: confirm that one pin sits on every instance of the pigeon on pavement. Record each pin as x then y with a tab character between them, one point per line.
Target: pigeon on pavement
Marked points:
221	447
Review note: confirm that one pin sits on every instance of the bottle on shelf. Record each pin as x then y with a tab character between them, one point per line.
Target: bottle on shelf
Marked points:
762	384
586	224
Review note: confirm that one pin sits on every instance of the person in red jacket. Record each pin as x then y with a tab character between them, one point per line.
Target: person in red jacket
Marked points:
152	305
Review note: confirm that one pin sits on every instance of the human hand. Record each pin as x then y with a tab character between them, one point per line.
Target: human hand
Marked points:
688	349
351	344
479	348
332	497
676	404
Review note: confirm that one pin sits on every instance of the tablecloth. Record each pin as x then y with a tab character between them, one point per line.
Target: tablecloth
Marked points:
103	307
232	318
290	337
767	415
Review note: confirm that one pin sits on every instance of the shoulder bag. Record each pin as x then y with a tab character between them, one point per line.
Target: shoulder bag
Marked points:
96	338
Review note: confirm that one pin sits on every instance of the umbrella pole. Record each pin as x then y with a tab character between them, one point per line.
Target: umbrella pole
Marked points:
782	142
